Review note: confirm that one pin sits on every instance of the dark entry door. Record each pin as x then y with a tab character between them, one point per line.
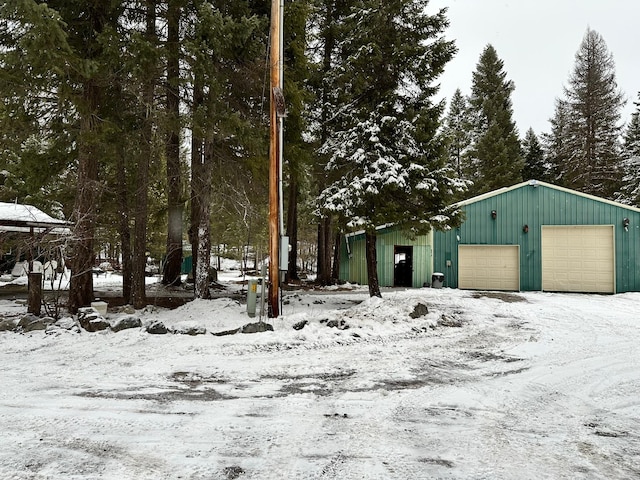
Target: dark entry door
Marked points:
403	266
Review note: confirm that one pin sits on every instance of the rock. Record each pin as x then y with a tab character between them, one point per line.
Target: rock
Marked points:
66	323
340	324
30	323
420	310
257	327
300	325
128	309
226	332
189	330
124	323
6	324
91	320
157	328
27	319
446	321
97	325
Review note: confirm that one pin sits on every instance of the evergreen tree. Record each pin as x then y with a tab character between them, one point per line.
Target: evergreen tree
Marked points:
328	28
173	263
297	150
386	150
593	103
630	193
496	156
534	163
457	133
556	149
225	53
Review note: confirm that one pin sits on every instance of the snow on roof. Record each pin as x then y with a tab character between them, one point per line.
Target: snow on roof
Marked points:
16	217
536	183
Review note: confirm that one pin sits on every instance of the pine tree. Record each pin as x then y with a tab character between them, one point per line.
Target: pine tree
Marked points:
457	133
386	150
225	53
534	163
630	192
328	28
556	149
495	154
175	200
297	150
593	103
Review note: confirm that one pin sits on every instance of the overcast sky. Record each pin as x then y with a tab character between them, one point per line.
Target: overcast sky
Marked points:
538	40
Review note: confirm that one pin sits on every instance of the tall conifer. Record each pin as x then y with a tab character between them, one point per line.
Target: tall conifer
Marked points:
591	138
386	150
630	193
495	154
534	164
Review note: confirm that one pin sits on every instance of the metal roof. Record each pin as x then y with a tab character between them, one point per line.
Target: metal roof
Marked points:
536	183
19	218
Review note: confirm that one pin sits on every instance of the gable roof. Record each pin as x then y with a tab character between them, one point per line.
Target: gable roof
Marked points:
19	218
536	183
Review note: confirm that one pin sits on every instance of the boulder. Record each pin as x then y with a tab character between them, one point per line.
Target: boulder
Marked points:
7	324
420	310
157	328
30	323
257	327
66	324
91	320
300	325
226	332
124	323
189	330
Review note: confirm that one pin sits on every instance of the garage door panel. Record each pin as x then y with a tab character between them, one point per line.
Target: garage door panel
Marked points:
489	267
578	258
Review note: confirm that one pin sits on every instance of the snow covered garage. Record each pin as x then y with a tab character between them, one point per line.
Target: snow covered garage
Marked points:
538	236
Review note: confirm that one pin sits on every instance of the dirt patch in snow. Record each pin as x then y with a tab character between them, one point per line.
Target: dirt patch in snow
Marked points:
504	296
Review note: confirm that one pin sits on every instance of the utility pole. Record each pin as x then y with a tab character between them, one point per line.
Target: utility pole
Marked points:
276	111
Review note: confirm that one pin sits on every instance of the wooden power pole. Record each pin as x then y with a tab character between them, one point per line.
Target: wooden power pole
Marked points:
276	111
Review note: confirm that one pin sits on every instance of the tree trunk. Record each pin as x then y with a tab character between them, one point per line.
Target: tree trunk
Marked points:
84	209
173	261
372	265
324	227
124	228
201	279
197	166
292	228
325	247
138	292
335	271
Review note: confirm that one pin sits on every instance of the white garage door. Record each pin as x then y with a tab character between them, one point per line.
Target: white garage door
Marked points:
578	259
489	267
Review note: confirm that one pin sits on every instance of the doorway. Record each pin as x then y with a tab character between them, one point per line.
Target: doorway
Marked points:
403	266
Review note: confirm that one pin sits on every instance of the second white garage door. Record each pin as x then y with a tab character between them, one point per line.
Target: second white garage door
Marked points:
489	267
578	259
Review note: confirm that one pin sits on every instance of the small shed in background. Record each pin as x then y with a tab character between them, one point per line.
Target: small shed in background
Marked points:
402	261
538	236
25	228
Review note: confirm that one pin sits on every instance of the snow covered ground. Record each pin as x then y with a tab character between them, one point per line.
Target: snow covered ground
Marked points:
484	386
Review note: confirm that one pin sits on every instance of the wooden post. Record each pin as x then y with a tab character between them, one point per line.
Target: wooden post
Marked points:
274	153
35	293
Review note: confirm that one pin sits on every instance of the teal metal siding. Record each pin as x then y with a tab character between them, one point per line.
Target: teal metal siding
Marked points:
537	206
353	264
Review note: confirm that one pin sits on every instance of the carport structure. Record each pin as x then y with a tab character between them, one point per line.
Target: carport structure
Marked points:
27	226
538	236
